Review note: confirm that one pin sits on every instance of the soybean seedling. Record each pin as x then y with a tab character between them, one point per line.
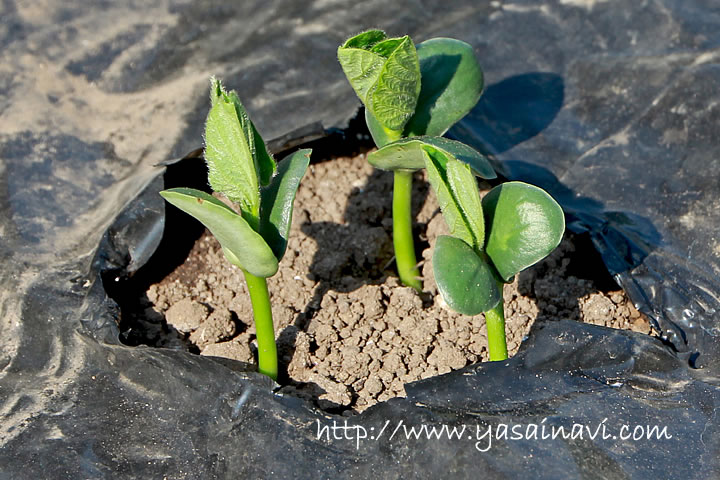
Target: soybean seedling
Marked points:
255	239
514	226
409	93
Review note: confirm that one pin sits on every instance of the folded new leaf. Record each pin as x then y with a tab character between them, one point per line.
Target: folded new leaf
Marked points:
238	162
385	74
463	187
462	215
451	85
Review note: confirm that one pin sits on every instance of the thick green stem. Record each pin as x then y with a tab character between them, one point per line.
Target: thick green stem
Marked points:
262	313
402	230
495	320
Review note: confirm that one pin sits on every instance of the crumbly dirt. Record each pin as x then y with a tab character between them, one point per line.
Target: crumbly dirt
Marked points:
349	335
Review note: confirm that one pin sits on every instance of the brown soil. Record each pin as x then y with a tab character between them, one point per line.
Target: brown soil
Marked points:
349	335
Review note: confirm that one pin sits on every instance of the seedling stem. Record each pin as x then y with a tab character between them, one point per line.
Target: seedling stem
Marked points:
402	230
262	312
495	320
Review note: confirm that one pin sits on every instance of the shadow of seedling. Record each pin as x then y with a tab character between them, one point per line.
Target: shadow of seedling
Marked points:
350	255
511	112
624	239
139	323
359	251
517	109
610	242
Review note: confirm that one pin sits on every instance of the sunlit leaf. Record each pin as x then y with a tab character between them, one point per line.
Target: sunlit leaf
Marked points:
393	98
362	66
385	74
228	153
249	251
524	224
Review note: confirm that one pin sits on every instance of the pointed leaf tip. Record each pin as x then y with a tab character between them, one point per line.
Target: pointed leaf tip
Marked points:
236	155
231	168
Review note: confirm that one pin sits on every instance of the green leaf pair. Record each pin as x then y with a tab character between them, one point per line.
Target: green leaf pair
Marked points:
422	91
240	167
522	225
256	237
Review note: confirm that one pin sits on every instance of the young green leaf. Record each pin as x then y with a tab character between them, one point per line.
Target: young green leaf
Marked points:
365	40
524	224
385	74
277	199
452	83
247	248
230	160
466	281
394	96
407	154
264	162
436	164
385	48
362	66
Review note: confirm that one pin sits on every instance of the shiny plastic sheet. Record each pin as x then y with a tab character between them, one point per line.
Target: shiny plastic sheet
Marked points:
612	106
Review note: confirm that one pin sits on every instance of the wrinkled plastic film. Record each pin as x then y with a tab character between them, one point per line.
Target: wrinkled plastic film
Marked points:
610	107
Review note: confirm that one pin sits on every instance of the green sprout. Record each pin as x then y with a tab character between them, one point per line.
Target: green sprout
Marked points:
413	95
514	226
255	239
